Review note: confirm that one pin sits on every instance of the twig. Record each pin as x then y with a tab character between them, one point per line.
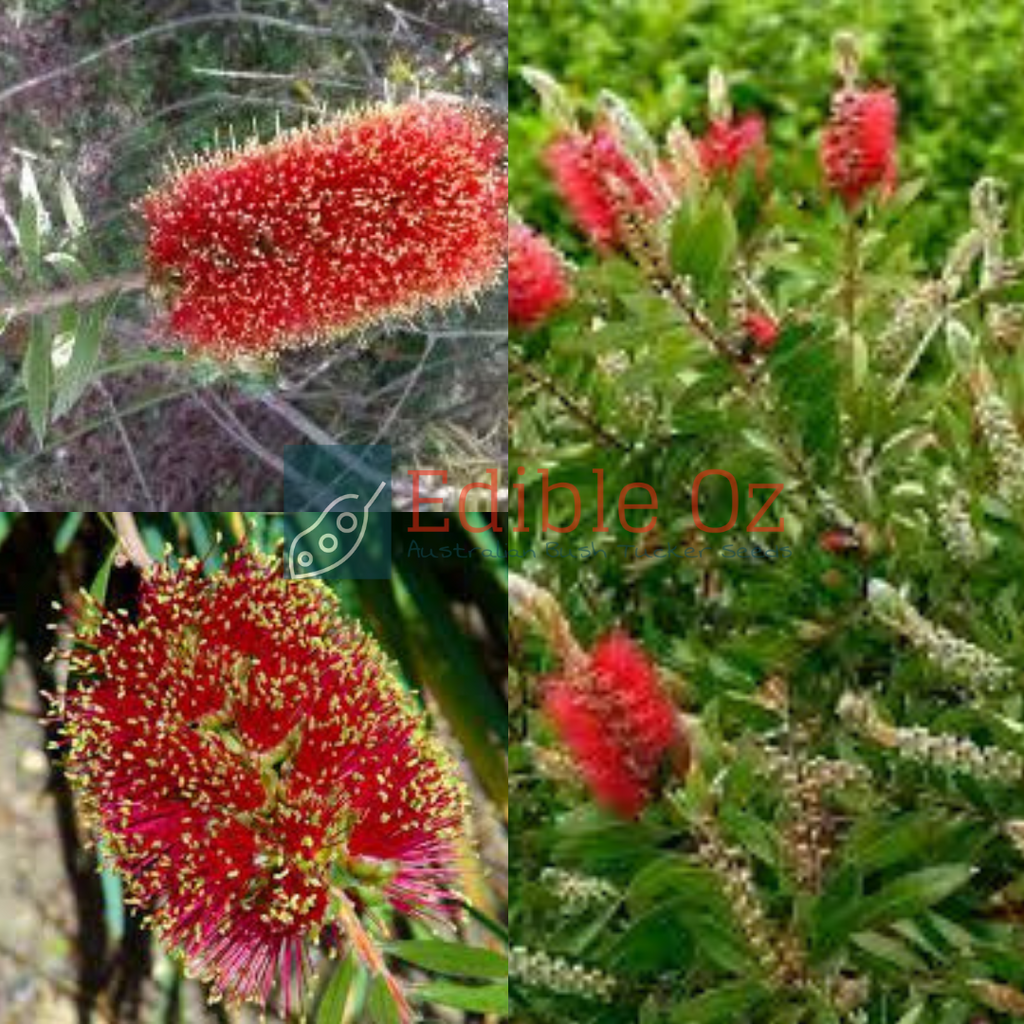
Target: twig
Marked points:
131	540
406	392
170	28
42	302
128	447
570	404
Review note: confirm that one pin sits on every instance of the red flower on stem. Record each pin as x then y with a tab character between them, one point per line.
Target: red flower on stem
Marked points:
599	183
537	280
255	774
617	722
330	229
730	145
858	147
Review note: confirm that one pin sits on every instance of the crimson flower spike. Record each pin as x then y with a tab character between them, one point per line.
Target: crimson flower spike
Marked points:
376	215
256	776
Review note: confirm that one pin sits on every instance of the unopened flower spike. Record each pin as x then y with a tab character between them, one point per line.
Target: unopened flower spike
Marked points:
847	58
730	143
375	215
256	774
719	104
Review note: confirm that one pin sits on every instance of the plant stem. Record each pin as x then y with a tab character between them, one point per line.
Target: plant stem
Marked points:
571	405
851	281
131	539
43	302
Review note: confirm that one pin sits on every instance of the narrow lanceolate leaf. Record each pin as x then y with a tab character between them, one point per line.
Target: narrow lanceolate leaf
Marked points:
339	997
905	897
703	245
70	266
381	1005
37	374
80	369
31	223
451	958
473	998
72	212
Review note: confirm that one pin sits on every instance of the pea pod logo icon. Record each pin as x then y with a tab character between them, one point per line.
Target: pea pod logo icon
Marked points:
347	522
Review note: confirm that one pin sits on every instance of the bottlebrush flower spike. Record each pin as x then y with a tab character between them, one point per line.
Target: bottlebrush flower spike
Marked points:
618	723
537	280
599	182
728	146
329	229
858	147
255	773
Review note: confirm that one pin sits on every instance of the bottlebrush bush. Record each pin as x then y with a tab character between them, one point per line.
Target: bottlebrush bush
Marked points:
834	830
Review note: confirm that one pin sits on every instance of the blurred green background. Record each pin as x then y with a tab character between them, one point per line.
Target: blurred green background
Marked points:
956	67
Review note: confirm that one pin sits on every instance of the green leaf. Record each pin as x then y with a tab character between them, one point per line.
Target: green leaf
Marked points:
75	377
451	958
724	1005
654	942
69	265
805	368
72	212
340	994
37	374
31	221
914	1015
889	950
6	652
703	243
380	1006
474	998
98	590
904	897
66	532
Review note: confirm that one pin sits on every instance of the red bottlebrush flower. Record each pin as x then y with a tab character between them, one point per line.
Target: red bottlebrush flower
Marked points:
617	722
727	146
598	182
762	330
330	229
858	147
253	770
537	281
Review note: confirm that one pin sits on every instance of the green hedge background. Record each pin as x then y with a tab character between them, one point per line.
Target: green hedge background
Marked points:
956	66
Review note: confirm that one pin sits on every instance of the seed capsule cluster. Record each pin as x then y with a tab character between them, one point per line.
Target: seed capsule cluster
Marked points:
329	229
557	974
949	653
247	760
